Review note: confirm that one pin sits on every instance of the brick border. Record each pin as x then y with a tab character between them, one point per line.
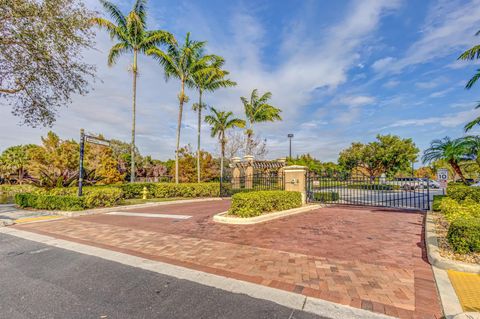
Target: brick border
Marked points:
225	219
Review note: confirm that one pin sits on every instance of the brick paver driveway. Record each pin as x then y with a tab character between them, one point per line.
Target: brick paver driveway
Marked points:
370	258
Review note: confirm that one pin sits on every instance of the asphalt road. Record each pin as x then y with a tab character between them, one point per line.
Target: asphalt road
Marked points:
40	281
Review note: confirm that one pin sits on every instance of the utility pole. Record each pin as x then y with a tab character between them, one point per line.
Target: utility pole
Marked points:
290	136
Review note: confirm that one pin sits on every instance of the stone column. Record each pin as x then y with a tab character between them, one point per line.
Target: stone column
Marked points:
296	180
236	173
248	171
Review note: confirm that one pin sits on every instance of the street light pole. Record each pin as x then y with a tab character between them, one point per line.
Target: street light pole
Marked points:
290	136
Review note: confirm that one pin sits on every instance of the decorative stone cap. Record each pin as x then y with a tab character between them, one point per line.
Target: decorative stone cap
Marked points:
295	168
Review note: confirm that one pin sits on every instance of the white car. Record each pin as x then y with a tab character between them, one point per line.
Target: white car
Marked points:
476	184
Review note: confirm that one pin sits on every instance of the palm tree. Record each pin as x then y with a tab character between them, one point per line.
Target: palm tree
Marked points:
472	148
182	62
258	110
471	54
452	151
211	81
133	37
220	122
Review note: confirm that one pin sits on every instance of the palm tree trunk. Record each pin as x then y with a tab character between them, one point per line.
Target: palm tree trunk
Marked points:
222	155
132	146
458	170
179	124
198	134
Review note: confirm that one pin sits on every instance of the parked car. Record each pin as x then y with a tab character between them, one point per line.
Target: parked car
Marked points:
410	183
476	184
432	183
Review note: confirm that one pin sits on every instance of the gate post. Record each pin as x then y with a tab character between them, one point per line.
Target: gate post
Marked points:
295	180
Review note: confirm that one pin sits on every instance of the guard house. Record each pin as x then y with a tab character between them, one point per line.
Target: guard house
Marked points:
249	173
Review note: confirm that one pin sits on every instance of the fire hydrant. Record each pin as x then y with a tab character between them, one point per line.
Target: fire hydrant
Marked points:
144	192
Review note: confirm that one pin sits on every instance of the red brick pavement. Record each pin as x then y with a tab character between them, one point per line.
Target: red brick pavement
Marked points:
369	258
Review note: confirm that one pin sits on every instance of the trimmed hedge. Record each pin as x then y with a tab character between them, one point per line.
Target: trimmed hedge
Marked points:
326	197
66	198
257	203
437	201
454	210
464	235
460	192
169	190
12	190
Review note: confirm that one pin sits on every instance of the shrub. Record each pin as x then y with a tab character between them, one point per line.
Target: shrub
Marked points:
461	192
49	202
66	198
135	190
454	210
168	190
256	203
326	197
437	201
12	190
464	235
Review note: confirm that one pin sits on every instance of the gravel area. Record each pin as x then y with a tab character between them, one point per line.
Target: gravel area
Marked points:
445	248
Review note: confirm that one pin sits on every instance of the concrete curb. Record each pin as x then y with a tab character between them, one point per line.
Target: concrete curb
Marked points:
288	299
433	251
225	219
117	208
448	297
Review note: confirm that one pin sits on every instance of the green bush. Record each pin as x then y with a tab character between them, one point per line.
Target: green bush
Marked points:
326	197
256	203
170	190
437	201
12	190
461	192
464	235
67	199
135	190
49	202
454	210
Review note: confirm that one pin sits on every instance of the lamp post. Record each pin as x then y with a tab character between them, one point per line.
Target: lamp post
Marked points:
290	136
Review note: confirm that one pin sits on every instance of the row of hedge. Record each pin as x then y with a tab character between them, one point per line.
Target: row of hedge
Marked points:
460	192
326	197
464	222
106	196
65	200
256	203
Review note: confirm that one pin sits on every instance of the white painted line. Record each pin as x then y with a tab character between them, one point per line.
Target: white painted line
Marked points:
149	215
292	300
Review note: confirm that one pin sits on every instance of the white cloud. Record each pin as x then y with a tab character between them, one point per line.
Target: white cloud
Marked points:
448	120
383	63
391	84
355	101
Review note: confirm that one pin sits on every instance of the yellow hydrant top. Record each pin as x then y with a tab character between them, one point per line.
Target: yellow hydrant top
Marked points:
144	192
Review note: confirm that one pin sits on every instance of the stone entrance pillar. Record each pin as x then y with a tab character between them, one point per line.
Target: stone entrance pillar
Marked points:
295	180
248	171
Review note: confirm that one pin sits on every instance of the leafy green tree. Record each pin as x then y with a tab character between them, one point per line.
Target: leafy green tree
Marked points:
182	62
14	161
133	37
389	154
41	44
257	110
472	148
210	81
453	151
220	122
188	160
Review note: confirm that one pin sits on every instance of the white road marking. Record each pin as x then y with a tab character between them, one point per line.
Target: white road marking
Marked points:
150	215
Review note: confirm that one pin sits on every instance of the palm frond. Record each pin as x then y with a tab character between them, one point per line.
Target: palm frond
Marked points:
471	124
112	29
116	51
470	54
473	80
114	12
140	9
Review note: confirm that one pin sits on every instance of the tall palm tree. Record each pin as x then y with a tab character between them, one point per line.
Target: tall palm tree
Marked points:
472	148
452	151
210	81
133	37
220	122
258	110
182	62
472	54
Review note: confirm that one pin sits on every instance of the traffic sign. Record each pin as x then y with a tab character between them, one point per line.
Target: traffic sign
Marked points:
442	177
96	140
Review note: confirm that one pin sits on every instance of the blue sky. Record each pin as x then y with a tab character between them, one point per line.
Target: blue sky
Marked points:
341	71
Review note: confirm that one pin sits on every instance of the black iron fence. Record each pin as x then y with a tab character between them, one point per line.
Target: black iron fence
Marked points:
230	185
408	192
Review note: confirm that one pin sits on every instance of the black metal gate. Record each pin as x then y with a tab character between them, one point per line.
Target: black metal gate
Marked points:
230	185
338	188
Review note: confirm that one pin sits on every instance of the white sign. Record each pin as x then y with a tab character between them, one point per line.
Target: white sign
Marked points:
442	177
96	140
